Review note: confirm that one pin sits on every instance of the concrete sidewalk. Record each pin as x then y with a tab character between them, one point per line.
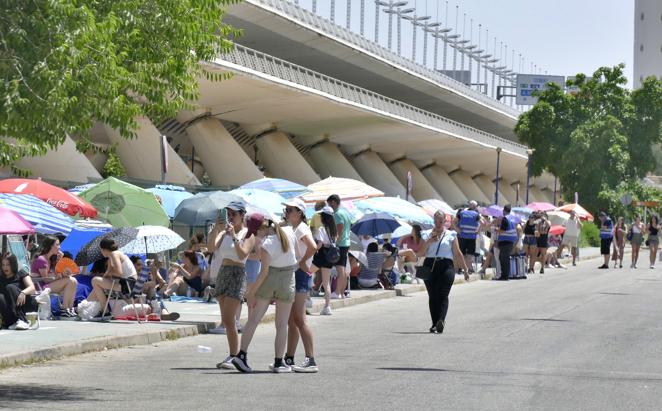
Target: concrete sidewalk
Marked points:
56	339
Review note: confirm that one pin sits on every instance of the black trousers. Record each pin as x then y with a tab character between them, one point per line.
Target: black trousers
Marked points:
505	249
8	309
439	286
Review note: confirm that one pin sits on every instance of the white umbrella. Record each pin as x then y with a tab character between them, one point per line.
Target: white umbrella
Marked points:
153	239
558	217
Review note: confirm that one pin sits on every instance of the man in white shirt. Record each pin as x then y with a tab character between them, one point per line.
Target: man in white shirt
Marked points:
573	228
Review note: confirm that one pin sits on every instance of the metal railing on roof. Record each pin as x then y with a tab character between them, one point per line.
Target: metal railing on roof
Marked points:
263	63
303	16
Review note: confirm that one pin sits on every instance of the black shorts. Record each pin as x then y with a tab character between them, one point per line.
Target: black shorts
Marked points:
605	246
319	259
195	283
126	285
342	261
467	246
542	241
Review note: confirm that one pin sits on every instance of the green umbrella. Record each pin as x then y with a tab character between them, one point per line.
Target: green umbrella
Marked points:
125	205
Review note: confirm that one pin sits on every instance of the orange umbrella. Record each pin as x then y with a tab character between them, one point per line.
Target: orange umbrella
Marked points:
579	210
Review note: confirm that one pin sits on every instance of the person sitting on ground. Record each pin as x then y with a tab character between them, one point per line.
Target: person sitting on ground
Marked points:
43	271
16	295
189	273
390	270
120	276
369	275
551	259
153	284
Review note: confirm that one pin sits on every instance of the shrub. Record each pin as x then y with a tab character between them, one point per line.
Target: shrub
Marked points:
590	235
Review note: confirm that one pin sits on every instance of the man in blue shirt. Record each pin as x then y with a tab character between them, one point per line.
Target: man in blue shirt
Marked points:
343	224
467	224
508	235
606	236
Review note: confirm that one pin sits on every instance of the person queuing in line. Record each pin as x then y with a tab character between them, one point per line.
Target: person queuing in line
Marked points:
491	233
507	237
653	229
530	243
606	236
323	236
16	295
275	282
542	240
468	223
315	223
120	274
620	231
43	270
230	241
441	250
573	226
343	225
304	248
188	273
153	284
636	239
410	244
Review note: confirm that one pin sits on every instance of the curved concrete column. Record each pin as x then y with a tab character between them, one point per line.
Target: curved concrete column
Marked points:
537	194
63	164
329	161
549	194
141	156
377	174
444	185
421	187
469	188
487	186
226	163
283	160
509	194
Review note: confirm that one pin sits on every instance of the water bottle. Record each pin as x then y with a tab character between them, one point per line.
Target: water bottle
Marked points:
156	308
202	349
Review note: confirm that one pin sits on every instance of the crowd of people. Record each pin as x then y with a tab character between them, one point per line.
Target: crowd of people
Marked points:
252	259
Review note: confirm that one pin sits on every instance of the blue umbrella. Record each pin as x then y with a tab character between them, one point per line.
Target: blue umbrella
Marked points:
45	218
170	197
395	207
375	224
285	188
80	236
270	201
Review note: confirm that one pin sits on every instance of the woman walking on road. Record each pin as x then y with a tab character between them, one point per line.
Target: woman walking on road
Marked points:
542	240
441	250
530	242
653	238
619	242
275	282
305	248
637	238
324	235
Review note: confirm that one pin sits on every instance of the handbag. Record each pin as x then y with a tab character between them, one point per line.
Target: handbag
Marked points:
423	271
332	253
629	235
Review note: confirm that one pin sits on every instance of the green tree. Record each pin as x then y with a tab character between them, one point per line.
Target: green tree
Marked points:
597	139
66	64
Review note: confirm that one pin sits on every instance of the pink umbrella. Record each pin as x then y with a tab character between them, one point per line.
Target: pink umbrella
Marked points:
13	223
541	206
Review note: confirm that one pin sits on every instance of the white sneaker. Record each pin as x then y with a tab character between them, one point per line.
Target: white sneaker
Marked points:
217	330
281	369
20	325
652	266
335	296
307	366
326	311
226	364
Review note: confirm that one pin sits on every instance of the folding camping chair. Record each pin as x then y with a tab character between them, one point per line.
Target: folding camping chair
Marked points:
137	291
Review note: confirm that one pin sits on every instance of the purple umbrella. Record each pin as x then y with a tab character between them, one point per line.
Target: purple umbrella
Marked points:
492	211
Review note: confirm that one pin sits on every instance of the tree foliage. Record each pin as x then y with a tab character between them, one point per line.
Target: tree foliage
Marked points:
65	64
597	139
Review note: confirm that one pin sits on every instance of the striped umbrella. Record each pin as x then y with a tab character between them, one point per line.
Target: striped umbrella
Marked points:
285	188
345	188
45	218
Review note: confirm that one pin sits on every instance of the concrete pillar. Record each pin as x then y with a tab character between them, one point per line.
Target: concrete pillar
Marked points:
421	187
444	185
469	188
329	161
226	163
549	194
283	160
509	194
376	173
63	164
141	156
537	194
488	188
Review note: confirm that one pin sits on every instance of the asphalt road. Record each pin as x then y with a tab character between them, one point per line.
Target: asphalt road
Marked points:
582	339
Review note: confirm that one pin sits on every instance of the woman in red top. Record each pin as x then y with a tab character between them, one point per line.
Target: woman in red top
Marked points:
409	245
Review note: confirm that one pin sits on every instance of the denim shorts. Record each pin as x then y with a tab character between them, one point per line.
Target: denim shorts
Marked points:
303	281
252	270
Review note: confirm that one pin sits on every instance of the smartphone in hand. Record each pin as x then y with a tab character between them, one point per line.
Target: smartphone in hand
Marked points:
222	216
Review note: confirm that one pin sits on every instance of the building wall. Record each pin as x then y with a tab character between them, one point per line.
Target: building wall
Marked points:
647	40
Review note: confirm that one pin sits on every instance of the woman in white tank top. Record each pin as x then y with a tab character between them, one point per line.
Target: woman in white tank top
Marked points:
119	267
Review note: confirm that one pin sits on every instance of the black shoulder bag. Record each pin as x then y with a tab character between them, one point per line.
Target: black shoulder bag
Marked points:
423	271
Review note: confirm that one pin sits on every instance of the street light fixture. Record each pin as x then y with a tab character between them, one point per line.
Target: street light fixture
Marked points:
426	29
392	7
437	33
496	190
415	21
529	153
455	45
400	13
447	39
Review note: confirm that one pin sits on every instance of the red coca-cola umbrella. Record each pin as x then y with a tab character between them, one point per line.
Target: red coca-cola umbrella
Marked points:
61	199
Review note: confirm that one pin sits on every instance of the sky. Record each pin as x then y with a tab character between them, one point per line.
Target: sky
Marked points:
561	37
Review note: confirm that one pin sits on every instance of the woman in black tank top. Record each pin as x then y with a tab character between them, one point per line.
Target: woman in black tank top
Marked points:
530	242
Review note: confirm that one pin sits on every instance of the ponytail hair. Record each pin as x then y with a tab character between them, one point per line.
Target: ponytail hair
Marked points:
329	224
284	241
